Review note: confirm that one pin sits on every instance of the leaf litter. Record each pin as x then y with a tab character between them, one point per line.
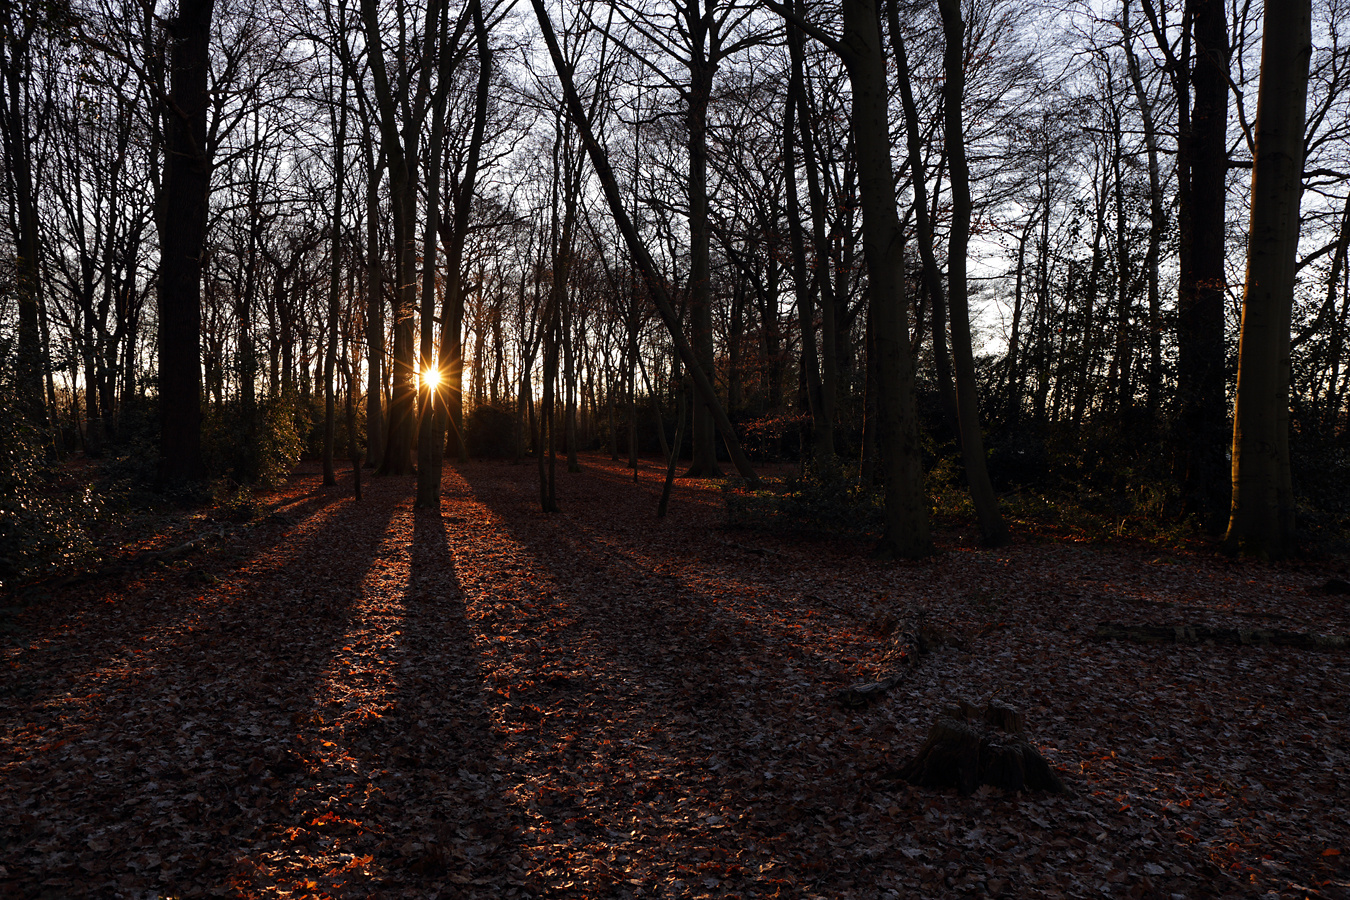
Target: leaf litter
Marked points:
363	699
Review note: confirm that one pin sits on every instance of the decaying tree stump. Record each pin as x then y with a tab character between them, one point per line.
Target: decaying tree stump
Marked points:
969	746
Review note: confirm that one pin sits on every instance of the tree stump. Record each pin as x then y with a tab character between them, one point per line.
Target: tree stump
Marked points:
969	746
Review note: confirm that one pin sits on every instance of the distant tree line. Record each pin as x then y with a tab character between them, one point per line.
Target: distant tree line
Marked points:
1026	235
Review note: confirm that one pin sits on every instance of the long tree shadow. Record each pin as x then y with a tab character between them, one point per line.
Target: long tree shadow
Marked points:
662	682
704	713
162	763
89	628
406	797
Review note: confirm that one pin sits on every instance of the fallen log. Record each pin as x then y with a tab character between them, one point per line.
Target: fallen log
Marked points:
1201	634
912	638
968	747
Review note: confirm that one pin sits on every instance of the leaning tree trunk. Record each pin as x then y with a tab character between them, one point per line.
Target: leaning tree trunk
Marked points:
932	279
1262	517
656	287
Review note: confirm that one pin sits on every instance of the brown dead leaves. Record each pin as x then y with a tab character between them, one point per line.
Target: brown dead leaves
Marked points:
363	700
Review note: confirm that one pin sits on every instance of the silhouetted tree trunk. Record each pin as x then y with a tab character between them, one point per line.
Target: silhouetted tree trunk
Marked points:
1157	222
334	290
822	424
1262	518
16	34
454	232
906	514
1202	165
182	221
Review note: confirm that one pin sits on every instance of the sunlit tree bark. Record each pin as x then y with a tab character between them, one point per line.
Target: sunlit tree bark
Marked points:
1262	516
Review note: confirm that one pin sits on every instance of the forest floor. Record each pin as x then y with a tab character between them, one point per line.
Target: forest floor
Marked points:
350	699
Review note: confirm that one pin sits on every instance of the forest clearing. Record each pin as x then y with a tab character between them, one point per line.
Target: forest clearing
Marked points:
350	698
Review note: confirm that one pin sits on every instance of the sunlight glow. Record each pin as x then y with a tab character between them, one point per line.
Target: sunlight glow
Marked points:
431	377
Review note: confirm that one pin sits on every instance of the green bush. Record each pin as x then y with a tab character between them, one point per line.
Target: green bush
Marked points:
43	520
829	501
260	449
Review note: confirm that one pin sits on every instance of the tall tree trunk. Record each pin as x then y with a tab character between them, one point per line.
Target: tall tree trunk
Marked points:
1157	218
452	307
829	358
14	129
1262	517
822	424
400	156
1200	338
703	432
992	527
334	291
374	288
906	514
182	219
431	368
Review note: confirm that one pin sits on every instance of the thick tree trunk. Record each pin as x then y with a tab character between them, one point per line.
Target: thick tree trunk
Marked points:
182	219
906	517
1200	338
1262	516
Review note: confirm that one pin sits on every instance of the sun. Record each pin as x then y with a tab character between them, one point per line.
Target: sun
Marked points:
431	377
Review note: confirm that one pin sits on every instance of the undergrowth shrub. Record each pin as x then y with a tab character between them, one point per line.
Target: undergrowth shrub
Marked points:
775	435
43	517
235	502
1321	476
828	501
490	432
262	451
